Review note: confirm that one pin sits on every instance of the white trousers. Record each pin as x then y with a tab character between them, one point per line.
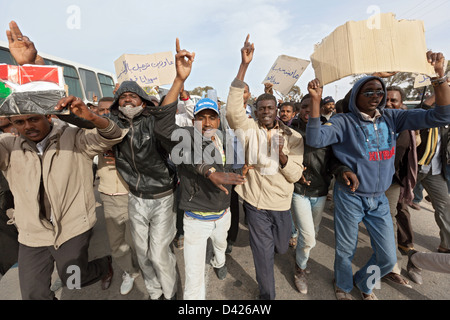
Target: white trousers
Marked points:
152	223
196	234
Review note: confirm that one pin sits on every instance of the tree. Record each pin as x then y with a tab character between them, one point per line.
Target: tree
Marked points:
405	80
294	95
200	91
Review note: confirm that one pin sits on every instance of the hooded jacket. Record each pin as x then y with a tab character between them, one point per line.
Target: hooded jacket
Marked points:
141	159
366	147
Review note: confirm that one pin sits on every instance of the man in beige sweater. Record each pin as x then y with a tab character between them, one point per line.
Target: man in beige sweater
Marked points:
275	154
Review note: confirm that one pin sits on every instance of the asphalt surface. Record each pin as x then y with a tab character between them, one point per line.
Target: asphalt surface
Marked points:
240	283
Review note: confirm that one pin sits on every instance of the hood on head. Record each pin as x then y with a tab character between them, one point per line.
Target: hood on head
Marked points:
357	87
132	86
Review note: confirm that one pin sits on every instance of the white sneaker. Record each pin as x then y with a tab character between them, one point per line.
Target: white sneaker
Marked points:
127	283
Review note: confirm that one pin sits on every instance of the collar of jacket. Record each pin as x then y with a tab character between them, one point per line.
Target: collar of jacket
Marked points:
278	125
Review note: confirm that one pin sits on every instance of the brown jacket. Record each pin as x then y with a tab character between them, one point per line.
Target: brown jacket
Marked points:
67	177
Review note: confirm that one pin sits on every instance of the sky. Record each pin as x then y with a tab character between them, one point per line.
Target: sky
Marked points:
96	33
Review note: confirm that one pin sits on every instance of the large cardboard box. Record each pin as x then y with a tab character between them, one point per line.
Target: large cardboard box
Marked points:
357	47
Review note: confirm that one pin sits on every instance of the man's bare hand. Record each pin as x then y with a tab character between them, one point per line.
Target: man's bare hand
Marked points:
224	178
247	51
21	47
351	180
183	62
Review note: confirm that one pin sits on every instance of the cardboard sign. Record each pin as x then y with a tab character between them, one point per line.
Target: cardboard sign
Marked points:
285	72
362	48
147	70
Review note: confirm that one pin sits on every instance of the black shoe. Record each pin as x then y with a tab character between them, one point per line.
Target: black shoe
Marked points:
221	272
229	248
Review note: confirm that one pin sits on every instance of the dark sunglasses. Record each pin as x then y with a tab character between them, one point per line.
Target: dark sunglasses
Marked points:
370	94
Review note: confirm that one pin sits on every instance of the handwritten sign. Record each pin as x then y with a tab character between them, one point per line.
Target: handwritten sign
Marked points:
285	72
353	48
424	81
147	70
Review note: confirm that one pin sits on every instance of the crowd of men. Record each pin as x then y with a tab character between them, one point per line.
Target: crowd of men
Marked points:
171	170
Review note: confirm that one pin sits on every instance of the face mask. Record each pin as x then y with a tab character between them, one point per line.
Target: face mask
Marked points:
131	112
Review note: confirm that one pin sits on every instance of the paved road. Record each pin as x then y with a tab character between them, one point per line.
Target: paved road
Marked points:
240	283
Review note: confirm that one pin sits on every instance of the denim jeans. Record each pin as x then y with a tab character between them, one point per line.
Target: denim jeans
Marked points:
307	213
196	235
349	210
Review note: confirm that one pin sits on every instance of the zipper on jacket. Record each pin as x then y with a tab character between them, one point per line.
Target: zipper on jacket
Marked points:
132	154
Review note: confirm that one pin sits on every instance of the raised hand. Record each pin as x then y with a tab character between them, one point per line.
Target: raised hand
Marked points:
315	89
437	61
183	62
20	46
247	51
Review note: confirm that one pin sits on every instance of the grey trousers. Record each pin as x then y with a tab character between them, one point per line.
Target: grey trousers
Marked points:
152	223
270	232
119	234
432	261
436	187
393	194
36	265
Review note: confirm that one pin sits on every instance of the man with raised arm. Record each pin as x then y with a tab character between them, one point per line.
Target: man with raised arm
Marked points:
49	170
365	140
276	154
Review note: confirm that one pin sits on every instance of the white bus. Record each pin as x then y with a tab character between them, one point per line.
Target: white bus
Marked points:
84	82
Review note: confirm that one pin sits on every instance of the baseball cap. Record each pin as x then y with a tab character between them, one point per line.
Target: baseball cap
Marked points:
204	104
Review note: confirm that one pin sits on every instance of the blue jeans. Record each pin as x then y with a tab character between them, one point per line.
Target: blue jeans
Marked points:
349	210
307	213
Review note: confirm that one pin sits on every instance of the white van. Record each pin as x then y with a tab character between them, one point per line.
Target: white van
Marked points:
84	82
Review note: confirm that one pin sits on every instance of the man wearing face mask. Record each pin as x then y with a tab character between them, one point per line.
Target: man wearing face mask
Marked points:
143	162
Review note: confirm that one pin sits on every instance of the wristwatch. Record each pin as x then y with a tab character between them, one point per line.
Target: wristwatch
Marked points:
438	81
209	172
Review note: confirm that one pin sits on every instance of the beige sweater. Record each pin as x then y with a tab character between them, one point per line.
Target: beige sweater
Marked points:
268	186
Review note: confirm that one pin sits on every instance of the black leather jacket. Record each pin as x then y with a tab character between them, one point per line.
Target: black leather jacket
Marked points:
197	193
141	159
320	164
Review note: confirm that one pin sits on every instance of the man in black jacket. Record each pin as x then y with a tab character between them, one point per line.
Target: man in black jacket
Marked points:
207	169
143	162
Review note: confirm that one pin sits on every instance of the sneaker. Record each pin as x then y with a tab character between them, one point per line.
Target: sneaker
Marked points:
414	273
229	248
221	272
127	283
300	280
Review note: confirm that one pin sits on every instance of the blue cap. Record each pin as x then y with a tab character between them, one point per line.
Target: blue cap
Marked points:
204	104
327	100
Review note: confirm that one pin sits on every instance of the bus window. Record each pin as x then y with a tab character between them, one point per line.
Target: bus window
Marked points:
70	77
5	57
90	84
107	85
